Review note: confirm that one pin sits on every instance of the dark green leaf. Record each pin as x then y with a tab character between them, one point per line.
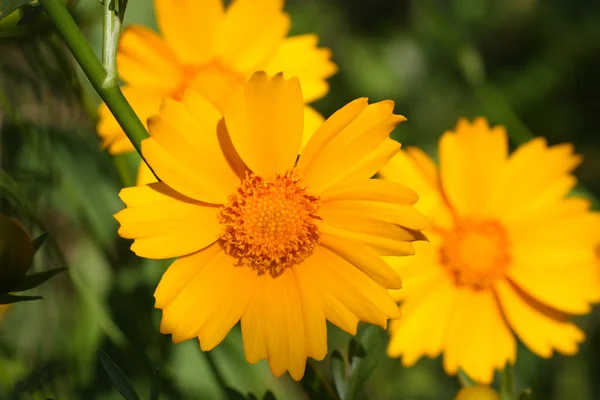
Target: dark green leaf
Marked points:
338	370
464	379
8	6
507	383
355	349
251	397
39	241
269	396
372	340
155	392
316	385
526	394
233	394
11	298
117	377
34	280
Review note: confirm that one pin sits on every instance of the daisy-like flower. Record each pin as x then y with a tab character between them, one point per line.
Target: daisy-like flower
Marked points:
282	243
212	50
509	253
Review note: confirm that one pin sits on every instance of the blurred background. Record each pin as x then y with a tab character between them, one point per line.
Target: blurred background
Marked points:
531	65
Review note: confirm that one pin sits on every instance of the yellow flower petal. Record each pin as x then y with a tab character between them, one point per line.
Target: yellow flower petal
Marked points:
417	333
209	301
462	153
244	43
144	60
365	259
312	121
371	190
278	307
529	172
345	142
540	330
299	56
187	156
354	289
184	22
164	223
145	175
417	171
477	338
314	316
145	102
265	122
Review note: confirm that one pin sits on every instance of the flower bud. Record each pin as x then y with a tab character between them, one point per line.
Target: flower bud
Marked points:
477	393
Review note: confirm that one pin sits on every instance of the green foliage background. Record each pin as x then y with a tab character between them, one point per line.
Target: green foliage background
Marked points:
529	64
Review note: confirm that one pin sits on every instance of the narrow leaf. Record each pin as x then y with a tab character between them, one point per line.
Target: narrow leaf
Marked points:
269	396
11	298
355	349
39	241
372	340
34	280
8	6
155	392
507	385
464	379
233	394
338	370
117	377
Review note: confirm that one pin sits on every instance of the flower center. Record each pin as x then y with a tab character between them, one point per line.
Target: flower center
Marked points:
269	225
213	80
475	253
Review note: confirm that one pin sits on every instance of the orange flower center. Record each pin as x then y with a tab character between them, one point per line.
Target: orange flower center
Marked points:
475	253
213	80
269	225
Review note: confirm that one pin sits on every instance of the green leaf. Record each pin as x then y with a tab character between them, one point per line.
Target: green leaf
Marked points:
269	396
338	370
372	341
8	6
525	394
39	241
233	394
11	298
355	349
117	377
34	280
464	379
507	383
155	391
251	397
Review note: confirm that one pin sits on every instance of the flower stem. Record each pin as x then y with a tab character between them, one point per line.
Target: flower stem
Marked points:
112	29
105	83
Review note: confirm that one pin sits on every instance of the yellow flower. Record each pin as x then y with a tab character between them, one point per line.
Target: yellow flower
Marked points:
477	393
509	252
282	243
212	50
3	309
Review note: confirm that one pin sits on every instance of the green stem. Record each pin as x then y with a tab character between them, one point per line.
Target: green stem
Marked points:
112	29
507	383
108	89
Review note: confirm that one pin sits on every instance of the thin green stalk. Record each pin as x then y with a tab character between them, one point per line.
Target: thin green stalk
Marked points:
108	89
112	29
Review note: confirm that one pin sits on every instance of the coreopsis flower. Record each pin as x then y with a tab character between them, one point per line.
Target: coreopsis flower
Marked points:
509	253
212	50
282	243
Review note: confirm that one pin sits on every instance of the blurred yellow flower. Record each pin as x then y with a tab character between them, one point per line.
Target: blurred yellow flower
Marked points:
509	252
212	50
477	393
3	309
282	243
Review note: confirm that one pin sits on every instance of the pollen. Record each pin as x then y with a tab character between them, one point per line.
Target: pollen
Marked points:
475	253
270	225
